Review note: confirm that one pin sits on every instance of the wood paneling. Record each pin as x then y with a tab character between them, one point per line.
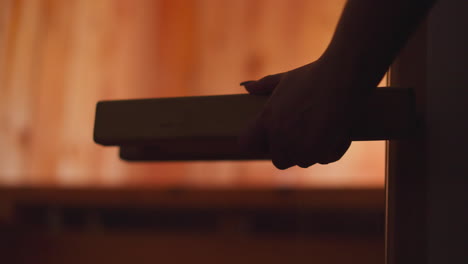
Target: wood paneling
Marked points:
58	58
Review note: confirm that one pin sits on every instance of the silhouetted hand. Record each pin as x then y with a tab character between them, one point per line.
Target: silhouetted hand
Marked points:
307	118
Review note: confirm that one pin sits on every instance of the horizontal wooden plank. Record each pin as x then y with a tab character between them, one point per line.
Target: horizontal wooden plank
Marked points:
207	127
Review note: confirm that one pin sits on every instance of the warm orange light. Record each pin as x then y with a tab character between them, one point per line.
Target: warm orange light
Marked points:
58	58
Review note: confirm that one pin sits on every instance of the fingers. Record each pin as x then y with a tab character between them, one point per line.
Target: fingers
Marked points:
334	154
305	161
305	156
264	86
283	156
302	154
255	139
279	153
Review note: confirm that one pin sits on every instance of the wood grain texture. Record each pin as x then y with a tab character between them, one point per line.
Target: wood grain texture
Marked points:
58	58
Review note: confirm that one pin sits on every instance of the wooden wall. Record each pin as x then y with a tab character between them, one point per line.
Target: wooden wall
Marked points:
57	58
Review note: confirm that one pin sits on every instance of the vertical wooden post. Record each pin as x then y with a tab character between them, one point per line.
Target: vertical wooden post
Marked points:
406	188
427	176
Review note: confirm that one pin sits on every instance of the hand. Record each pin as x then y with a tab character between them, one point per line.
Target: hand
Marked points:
307	118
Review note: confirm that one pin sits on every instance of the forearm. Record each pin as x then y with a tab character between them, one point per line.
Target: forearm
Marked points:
369	36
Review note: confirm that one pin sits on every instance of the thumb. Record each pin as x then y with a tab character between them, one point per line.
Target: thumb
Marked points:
264	86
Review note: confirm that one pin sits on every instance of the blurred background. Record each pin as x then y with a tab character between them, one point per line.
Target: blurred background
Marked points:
58	58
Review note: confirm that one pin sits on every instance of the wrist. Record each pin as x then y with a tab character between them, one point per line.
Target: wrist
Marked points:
358	76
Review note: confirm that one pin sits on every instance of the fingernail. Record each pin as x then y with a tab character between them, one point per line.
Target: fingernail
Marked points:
246	82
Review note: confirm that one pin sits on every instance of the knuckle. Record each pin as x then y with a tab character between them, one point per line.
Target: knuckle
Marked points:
281	164
305	165
329	160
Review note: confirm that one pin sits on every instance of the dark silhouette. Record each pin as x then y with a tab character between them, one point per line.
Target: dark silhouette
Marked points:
309	114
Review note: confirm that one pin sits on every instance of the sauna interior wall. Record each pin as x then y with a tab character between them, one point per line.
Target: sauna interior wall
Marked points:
58	58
